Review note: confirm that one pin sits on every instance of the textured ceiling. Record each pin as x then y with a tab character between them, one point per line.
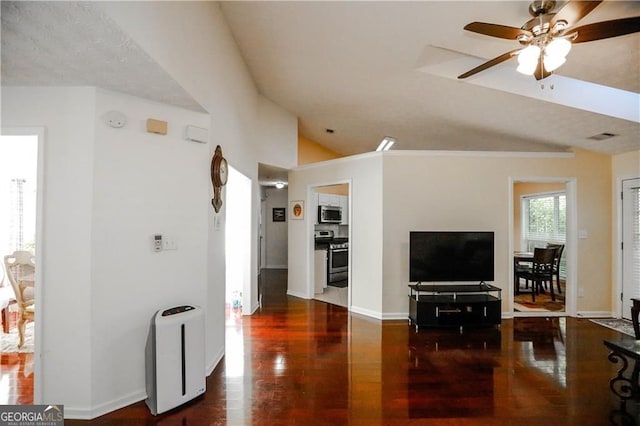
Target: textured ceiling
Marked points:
363	69
74	44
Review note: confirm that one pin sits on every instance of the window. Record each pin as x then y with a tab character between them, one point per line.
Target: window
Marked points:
544	220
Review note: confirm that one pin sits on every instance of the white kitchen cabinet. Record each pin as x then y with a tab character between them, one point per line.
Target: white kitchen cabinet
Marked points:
344	203
328	199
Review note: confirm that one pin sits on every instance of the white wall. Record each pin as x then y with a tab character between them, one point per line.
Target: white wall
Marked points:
364	173
107	191
144	184
65	311
273	135
191	41
396	192
464	191
276	234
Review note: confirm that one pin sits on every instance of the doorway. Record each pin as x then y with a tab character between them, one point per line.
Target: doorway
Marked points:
20	230
543	214
630	244
238	244
331	265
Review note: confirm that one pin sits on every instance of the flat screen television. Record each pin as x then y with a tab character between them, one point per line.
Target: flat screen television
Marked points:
451	256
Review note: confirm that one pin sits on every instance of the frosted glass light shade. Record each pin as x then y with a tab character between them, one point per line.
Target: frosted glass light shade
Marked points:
552	63
528	60
555	53
559	47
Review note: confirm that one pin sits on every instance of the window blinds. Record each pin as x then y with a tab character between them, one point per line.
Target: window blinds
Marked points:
631	240
544	219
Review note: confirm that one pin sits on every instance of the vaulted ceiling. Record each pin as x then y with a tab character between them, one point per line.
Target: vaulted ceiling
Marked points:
365	70
372	69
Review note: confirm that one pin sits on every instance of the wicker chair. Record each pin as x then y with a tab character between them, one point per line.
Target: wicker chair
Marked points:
20	269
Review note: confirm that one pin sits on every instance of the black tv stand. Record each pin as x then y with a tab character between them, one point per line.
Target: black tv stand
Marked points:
454	305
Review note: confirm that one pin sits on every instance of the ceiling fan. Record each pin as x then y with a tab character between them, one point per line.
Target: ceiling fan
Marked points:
547	38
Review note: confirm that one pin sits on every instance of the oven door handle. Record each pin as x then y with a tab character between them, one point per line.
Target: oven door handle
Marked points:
339	250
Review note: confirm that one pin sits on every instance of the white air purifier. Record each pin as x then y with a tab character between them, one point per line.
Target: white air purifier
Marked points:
175	366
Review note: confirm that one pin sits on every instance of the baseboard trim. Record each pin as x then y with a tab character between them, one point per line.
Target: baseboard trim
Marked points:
392	316
216	360
366	312
296	294
595	314
104	408
76	413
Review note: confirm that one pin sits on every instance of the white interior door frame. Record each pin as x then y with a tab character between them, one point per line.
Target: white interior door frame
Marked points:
571	292
312	208
39	253
238	240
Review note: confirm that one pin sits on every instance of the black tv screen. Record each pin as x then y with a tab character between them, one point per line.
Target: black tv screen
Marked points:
450	256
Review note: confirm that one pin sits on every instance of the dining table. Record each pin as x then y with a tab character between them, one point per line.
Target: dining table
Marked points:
520	257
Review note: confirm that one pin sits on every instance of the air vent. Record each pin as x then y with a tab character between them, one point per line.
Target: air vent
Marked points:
602	136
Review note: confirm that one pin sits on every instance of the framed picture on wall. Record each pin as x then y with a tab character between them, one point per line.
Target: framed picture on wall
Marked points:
296	209
279	214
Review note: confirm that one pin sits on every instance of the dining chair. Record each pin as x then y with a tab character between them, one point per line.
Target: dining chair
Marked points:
541	271
521	264
556	263
20	269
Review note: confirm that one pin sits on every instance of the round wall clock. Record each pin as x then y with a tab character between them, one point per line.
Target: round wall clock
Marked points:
219	176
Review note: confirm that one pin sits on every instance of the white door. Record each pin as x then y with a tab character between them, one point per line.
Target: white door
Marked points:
630	243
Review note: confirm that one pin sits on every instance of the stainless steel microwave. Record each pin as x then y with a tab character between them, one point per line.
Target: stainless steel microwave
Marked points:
329	214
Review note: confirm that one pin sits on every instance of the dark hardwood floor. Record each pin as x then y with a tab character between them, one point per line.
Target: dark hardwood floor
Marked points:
16	378
310	363
16	372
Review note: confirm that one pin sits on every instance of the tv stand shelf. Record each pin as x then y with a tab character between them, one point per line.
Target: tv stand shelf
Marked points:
459	305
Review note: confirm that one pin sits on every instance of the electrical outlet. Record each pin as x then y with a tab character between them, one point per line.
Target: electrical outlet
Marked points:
581	292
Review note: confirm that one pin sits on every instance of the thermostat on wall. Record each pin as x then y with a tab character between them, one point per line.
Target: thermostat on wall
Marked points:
157	242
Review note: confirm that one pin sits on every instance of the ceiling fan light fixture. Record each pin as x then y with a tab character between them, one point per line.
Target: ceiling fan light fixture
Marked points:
528	59
552	32
559	47
552	63
555	53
